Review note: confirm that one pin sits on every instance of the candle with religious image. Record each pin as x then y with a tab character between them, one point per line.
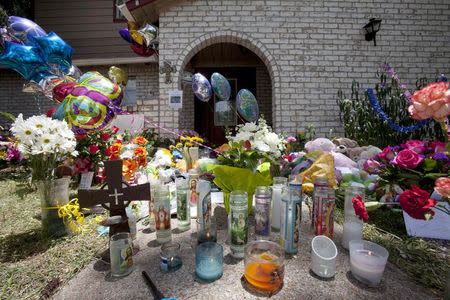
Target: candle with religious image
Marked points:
263	197
290	223
151	205
162	216
204	201
193	194
183	209
238	223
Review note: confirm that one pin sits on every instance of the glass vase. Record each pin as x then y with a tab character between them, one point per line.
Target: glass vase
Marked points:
53	193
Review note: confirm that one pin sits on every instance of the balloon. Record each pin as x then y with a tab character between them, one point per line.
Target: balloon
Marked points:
62	90
74	72
25	60
85	110
137	37
201	87
132	26
142	50
148	33
247	106
24	29
55	50
220	86
97	82
117	75
125	34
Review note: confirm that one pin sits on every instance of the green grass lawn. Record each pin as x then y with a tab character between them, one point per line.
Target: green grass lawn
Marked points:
31	265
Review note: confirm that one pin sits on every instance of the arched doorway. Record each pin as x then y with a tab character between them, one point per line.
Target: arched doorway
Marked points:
243	69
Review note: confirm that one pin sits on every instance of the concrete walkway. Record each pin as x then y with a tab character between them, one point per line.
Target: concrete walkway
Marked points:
94	282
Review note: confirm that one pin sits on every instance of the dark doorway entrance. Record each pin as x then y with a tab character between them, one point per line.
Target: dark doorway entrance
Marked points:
239	78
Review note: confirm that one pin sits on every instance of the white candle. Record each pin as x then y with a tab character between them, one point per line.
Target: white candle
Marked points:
276	207
367	261
352	231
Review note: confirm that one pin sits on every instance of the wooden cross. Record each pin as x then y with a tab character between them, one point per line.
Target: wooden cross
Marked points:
116	198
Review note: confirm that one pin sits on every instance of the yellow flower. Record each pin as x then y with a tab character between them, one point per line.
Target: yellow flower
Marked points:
188	144
179	145
171	147
2	154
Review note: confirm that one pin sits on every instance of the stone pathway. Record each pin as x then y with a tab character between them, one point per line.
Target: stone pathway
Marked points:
94	282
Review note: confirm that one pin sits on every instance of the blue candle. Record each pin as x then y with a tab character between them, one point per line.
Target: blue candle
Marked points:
209	261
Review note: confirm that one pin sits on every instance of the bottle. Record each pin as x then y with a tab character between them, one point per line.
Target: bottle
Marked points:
183	209
204	201
277	205
162	215
238	223
290	223
323	208
263	198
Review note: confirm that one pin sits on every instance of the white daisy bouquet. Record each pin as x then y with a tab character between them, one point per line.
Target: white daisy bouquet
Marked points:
44	142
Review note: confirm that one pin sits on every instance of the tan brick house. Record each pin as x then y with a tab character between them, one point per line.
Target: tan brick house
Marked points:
294	55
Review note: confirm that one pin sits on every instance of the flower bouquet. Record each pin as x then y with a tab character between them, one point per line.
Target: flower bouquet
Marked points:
45	143
247	159
186	147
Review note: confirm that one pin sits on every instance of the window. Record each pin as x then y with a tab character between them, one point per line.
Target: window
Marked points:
118	16
130	95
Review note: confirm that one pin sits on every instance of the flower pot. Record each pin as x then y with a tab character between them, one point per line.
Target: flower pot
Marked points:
437	228
53	193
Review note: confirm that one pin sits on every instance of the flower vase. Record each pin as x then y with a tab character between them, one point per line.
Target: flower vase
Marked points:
53	193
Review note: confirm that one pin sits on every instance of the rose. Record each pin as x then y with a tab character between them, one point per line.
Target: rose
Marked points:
416	203
93	149
415	145
387	154
291	139
437	146
371	166
360	208
113	151
442	186
433	101
407	159
115	129
105	136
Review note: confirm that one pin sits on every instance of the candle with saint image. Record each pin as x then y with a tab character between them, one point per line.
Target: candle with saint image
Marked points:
367	261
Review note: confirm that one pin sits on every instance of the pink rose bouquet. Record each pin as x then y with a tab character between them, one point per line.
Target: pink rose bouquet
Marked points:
407	159
442	187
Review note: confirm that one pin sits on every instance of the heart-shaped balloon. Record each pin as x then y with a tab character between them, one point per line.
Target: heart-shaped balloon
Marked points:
201	87
220	86
125	34
247	106
142	50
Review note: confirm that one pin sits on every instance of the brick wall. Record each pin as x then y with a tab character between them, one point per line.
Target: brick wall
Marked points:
310	48
14	101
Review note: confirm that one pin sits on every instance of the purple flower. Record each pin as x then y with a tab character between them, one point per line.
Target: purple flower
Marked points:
441	156
13	154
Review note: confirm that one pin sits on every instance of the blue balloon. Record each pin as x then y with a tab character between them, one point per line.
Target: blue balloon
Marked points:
220	86
201	87
24	29
25	60
55	50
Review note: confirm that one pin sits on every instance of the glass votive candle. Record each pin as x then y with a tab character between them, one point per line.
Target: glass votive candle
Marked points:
121	254
264	266
170	257
367	261
206	231
209	261
323	256
352	231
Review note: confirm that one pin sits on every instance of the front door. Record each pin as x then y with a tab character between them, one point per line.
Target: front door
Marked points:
239	78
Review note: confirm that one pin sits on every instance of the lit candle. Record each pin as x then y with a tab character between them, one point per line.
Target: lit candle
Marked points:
367	261
352	231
